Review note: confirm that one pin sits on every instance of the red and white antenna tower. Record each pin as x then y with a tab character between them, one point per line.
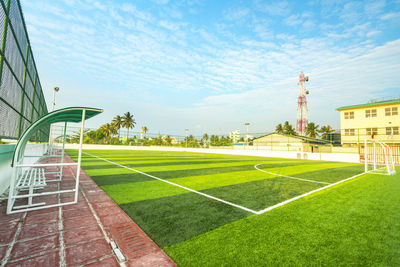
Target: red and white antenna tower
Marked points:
302	109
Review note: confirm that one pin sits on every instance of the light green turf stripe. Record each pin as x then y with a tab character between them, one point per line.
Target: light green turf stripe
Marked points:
125	193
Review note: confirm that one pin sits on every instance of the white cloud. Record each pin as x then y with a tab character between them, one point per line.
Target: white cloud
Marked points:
278	8
390	15
236	14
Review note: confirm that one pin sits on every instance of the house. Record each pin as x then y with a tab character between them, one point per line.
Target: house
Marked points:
285	142
377	119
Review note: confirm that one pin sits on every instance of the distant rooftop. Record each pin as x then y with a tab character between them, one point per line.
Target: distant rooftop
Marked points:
373	102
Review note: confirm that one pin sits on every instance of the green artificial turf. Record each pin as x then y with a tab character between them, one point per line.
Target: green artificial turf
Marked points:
353	224
337	226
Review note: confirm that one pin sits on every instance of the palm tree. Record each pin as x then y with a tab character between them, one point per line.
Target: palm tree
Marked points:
128	122
205	137
117	124
279	128
288	128
107	130
145	130
325	130
312	130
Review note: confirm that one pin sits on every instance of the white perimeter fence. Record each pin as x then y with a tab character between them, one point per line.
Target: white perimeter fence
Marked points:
340	157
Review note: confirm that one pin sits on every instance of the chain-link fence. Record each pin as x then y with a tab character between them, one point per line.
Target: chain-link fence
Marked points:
21	97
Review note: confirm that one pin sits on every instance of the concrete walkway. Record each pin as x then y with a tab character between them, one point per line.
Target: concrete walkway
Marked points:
93	232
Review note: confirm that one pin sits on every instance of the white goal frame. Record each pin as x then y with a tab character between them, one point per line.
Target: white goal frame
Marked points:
372	159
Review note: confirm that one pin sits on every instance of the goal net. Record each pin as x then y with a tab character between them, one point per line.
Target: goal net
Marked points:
378	157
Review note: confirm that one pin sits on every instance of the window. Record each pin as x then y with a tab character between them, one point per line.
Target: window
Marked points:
392	130
349	115
391	111
349	132
370	113
370	131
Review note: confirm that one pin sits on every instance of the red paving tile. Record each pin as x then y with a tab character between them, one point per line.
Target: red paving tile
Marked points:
3	251
40	229
7	236
35	246
83	238
108	211
117	218
83	253
75	206
82	234
43	211
157	259
79	222
100	197
10	217
48	259
107	262
35	218
78	212
8	225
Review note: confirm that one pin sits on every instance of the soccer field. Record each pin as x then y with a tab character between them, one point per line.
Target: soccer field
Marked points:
208	209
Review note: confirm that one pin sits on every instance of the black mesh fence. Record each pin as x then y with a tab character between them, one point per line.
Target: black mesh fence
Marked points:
21	97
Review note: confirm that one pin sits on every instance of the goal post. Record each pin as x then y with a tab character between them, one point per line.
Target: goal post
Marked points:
378	157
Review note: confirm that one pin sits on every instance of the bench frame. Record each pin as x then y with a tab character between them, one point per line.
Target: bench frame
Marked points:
32	177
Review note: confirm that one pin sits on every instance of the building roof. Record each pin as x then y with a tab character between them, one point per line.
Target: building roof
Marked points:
302	138
378	103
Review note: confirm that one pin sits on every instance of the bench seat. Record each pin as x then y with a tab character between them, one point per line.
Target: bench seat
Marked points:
32	178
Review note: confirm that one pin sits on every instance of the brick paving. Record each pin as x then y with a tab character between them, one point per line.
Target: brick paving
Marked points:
81	234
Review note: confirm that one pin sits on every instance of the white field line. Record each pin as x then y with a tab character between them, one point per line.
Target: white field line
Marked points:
291	177
171	183
306	194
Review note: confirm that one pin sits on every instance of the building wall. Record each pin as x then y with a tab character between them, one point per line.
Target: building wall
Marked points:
360	123
279	142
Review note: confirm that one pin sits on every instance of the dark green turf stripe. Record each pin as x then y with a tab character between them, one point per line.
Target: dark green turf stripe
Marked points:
171	220
333	175
154	164
258	195
108	179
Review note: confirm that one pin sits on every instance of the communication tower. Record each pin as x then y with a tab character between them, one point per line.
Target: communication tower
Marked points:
302	109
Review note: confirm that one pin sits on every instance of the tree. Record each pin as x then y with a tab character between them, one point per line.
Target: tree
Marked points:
107	130
117	123
288	129
325	130
128	122
205	137
279	128
312	130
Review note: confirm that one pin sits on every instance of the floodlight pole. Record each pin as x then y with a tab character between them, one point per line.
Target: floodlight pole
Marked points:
56	89
247	133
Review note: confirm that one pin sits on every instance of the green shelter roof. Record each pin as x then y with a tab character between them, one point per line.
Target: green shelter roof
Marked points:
385	102
71	114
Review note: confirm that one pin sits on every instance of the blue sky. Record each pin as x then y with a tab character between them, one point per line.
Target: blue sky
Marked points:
211	66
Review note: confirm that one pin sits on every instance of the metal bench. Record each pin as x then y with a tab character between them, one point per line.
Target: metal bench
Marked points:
31	179
38	162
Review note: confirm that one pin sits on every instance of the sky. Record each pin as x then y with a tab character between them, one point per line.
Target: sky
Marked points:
212	66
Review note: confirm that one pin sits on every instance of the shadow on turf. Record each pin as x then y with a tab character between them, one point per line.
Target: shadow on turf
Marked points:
171	220
154	164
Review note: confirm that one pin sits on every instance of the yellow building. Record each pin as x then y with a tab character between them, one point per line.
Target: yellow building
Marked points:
380	119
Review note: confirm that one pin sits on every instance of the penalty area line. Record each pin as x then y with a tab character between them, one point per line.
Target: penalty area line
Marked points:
291	177
306	194
174	184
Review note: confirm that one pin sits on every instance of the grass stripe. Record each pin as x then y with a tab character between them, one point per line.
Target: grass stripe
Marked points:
183	187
